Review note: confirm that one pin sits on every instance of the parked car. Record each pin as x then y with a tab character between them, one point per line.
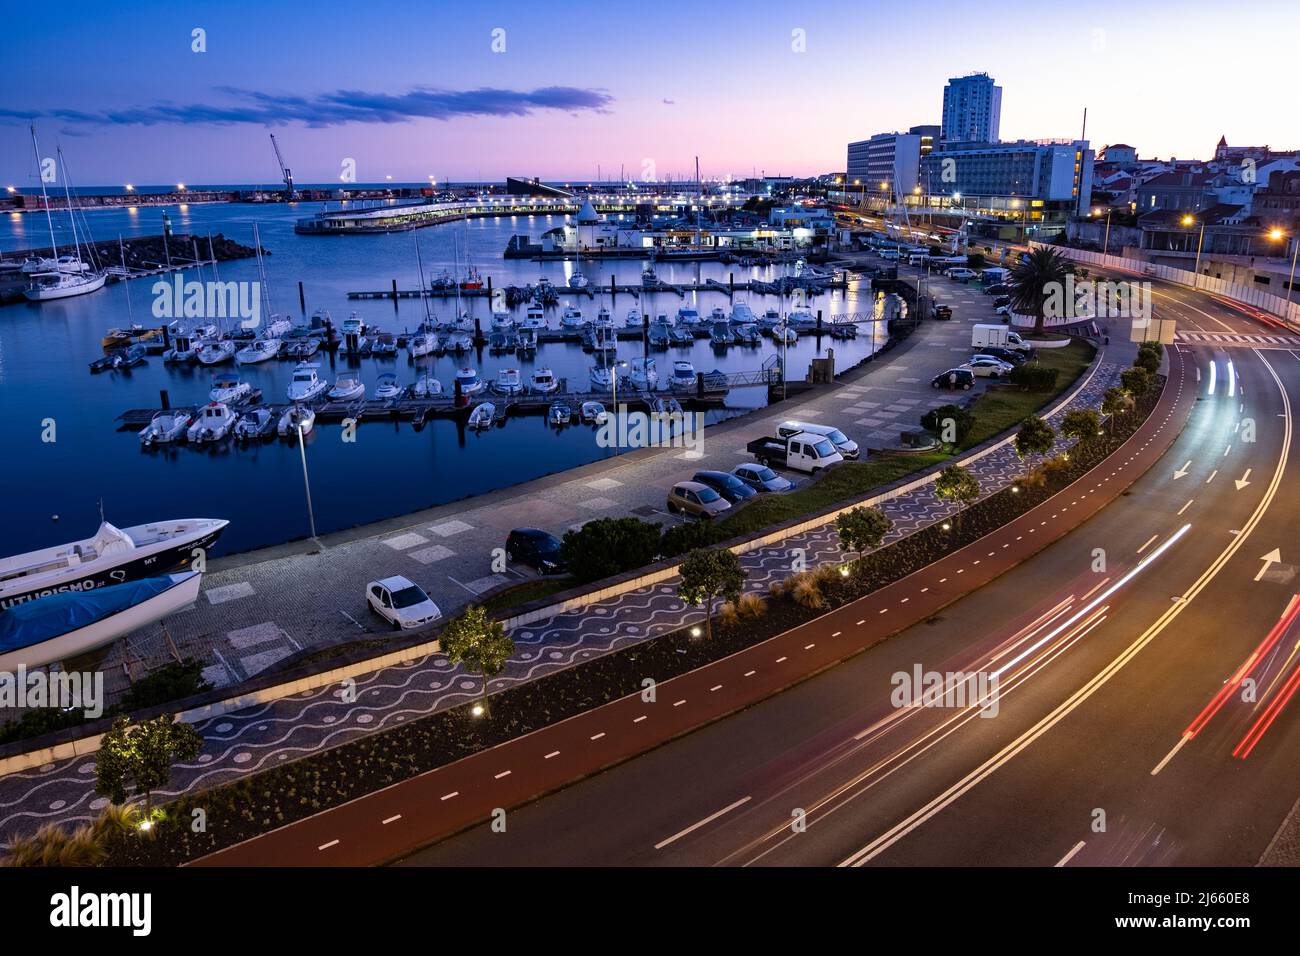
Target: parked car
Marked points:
998	288
986	366
537	548
962	378
843	444
961	273
696	499
726	484
401	603
942	312
802	452
1014	356
762	478
1001	300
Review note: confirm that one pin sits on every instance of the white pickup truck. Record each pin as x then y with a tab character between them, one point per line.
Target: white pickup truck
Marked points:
802	452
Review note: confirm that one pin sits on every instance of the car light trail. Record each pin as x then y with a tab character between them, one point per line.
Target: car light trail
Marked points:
1213	375
1232	379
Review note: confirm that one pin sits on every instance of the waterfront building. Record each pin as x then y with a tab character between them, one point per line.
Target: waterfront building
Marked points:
972	109
889	162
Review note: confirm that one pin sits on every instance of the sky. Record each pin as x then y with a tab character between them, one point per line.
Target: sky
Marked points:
572	91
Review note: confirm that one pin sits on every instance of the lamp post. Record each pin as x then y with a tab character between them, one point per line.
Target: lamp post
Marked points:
1187	221
302	448
613	383
1106	242
1290	284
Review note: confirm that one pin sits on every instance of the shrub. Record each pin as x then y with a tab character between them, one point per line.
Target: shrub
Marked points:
1147	360
1035	437
609	546
687	536
1080	424
806	591
751	607
176	681
951	423
1135	381
1033	378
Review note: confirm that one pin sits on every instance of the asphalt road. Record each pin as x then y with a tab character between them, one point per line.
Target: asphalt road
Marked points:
1089	759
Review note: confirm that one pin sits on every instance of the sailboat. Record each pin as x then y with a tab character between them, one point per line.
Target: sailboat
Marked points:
60	284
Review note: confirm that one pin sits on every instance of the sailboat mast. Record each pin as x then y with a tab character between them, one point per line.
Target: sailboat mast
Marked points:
45	199
67	198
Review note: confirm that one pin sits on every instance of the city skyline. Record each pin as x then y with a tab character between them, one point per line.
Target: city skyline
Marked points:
516	92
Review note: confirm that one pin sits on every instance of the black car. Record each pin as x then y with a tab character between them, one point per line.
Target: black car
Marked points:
998	288
962	378
942	312
1001	301
539	548
1014	356
725	484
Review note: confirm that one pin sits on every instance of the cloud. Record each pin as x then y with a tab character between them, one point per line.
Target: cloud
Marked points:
336	108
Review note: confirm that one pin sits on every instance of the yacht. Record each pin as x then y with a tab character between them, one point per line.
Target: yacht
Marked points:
509	382
165	427
112	556
634	320
681	335
296	417
468	382
527	341
502	321
785	334
255	423
543	380
683	378
426	387
748	335
228	390
593	413
571	318
258	350
602	378
742	314
721	335
482	416
688	316
347	388
578	281
458	342
387	387
421	344
658	335
559	414
305	384
213	424
63	285
214	353
643	375
535	317
183	350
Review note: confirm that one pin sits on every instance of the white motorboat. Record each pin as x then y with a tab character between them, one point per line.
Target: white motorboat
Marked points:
34	265
771	319
482	416
721	335
294	418
387	387
468	382
603	318
683	377
593	413
306	384
688	316
347	388
502	320
216	352
165	427
527	341
426	387
183	349
277	328
748	335
112	556
509	382
666	405
354	325
801	320
543	381
213	423
742	314
63	285
717	314
634	320
458	342
534	318
659	334
603	338
258	350
228	390
68	624
254	424
785	334
303	348
571	317
559	414
602	378
578	281
421	344
643	375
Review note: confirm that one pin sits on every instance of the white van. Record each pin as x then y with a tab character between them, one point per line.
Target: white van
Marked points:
843	444
1000	336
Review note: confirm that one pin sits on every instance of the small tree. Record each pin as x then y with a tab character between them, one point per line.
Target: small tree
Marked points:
1035	437
1135	381
708	574
142	754
1080	424
1148	359
1113	402
608	546
480	643
951	423
957	484
862	529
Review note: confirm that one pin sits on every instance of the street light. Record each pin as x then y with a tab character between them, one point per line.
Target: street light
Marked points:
1275	235
1105	244
302	448
1187	221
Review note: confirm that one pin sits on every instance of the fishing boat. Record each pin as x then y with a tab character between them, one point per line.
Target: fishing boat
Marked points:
634	319
467	381
578	281
387	387
683	377
509	382
111	556
543	381
228	390
68	624
216	352
258	350
593	413
602	378
426	387
527	341
482	416
306	384
212	424
295	418
571	317
165	427
472	279
255	424
559	414
643	375
347	388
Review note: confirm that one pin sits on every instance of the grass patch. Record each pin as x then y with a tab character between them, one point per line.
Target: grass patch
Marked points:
841	483
1002	408
526	591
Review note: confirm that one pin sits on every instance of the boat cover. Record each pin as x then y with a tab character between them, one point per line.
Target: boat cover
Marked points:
32	622
111	540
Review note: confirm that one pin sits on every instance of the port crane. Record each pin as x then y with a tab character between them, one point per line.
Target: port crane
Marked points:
290	194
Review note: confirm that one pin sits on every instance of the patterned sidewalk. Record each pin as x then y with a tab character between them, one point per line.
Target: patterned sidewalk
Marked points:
265	735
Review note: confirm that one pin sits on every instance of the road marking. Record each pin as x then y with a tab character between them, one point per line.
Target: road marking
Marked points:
1270	559
705	822
1226	450
1181	471
837	634
553	753
861	622
448	796
639	719
326	846
680	702
809	647
1186	506
1170	756
1148	543
780	659
1069	856
597	736
393	819
715	687
503	773
1212	474
1243	481
750	673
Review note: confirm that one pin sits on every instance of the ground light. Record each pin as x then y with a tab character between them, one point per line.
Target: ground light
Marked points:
477	710
946	526
695	632
844	571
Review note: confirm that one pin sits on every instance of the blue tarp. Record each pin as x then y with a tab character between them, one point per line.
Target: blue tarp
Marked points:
32	622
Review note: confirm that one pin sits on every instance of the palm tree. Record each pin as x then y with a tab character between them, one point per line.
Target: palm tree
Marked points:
1032	281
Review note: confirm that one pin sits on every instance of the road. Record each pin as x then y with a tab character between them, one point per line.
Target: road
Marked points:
1096	754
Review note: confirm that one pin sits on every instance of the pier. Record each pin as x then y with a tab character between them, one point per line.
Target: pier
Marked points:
613	289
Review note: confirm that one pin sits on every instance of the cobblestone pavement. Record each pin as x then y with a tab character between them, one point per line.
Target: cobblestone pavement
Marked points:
264	735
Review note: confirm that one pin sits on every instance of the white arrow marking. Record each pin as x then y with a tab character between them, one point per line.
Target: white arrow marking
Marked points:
1270	559
1182	471
1243	481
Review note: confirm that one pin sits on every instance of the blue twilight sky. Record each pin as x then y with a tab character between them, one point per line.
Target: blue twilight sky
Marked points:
413	90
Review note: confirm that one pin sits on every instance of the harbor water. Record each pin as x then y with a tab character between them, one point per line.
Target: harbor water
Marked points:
59	425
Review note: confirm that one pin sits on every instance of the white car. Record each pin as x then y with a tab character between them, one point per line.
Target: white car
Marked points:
1003	310
988	366
401	603
961	272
